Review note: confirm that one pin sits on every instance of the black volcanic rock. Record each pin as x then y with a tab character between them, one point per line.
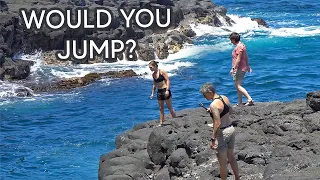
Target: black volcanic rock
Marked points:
260	22
14	69
313	100
274	141
3	6
14	38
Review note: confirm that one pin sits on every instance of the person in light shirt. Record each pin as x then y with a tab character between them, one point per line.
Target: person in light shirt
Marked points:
240	66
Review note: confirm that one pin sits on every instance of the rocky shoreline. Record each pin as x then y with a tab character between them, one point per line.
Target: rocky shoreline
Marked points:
275	141
152	42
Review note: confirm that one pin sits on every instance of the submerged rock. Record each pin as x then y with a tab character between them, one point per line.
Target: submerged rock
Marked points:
23	92
260	22
71	83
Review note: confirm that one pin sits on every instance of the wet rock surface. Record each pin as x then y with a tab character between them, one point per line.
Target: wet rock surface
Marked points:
70	83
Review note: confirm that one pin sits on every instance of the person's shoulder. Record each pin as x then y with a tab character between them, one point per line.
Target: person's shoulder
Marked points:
241	44
162	71
225	98
213	105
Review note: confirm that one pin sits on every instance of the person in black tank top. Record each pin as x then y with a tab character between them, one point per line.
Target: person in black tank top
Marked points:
159	79
162	83
225	107
223	138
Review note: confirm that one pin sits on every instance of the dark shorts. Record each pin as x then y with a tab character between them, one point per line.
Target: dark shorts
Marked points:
161	94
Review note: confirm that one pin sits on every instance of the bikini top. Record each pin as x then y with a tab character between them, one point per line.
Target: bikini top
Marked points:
225	107
160	78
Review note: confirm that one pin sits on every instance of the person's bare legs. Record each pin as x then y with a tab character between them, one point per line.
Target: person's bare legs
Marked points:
222	158
161	108
233	163
241	91
169	105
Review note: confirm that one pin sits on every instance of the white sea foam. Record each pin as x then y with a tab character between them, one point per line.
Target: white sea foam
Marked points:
203	29
106	82
289	23
8	89
170	67
247	27
300	32
171	64
69	72
244	24
241	25
175	61
29	57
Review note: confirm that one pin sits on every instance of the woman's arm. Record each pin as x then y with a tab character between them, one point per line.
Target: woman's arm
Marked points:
237	61
248	66
216	119
153	89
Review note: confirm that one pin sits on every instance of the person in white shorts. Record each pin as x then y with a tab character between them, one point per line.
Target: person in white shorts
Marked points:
223	137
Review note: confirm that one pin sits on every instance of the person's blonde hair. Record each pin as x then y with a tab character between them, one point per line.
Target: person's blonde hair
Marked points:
207	87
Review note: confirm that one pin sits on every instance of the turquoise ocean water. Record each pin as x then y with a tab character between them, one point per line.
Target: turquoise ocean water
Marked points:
62	135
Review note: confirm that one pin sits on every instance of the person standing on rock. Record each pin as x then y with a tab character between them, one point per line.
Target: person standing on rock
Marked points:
223	137
240	66
162	83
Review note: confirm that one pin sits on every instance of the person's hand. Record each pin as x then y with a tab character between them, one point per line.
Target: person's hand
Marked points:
208	110
167	93
151	97
212	143
231	72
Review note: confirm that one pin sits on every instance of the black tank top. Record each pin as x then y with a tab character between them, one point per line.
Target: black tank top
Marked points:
225	107
160	78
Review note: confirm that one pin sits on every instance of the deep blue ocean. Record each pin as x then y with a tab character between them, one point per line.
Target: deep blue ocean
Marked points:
62	135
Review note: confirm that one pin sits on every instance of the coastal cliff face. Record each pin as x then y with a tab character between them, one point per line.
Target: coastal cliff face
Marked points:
153	42
274	140
15	39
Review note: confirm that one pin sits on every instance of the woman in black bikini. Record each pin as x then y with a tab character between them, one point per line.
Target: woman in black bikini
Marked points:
223	137
162	83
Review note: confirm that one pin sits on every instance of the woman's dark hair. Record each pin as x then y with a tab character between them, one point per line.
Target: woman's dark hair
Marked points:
234	36
153	63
